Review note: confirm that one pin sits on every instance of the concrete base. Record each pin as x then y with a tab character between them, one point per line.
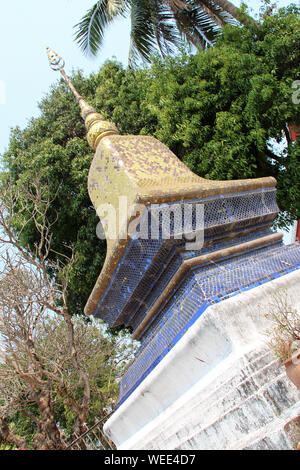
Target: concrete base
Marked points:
219	387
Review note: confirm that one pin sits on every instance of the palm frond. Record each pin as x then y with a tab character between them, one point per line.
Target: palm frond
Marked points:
152	28
90	30
142	37
196	25
161	25
216	10
167	34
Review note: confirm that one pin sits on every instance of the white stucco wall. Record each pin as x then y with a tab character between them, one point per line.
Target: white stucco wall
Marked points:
290	236
238	397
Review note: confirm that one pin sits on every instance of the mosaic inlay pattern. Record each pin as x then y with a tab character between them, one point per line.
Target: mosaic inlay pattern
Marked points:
146	260
204	287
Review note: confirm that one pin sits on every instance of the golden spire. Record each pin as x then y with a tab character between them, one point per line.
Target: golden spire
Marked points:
96	126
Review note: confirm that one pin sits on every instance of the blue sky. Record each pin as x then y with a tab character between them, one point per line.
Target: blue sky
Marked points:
26	28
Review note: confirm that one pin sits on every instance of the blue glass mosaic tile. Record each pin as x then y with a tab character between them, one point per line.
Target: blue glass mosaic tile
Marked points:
144	261
204	287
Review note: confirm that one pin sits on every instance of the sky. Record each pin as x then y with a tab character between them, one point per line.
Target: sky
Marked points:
26	28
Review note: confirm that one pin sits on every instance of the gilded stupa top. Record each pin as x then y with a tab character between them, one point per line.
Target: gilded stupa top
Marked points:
145	173
96	126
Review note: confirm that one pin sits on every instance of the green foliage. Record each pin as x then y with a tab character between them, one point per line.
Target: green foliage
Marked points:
54	146
217	110
23	426
6	447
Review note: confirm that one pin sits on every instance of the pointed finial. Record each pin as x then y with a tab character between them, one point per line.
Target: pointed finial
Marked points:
56	61
97	128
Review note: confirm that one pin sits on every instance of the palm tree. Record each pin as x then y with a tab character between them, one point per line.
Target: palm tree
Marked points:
156	24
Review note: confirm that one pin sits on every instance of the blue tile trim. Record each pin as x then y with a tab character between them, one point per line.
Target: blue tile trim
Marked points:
214	299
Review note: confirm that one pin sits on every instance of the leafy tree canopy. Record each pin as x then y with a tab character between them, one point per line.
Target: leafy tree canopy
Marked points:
217	110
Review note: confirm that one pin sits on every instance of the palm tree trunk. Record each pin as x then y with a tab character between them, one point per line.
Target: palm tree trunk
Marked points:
228	6
232	10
